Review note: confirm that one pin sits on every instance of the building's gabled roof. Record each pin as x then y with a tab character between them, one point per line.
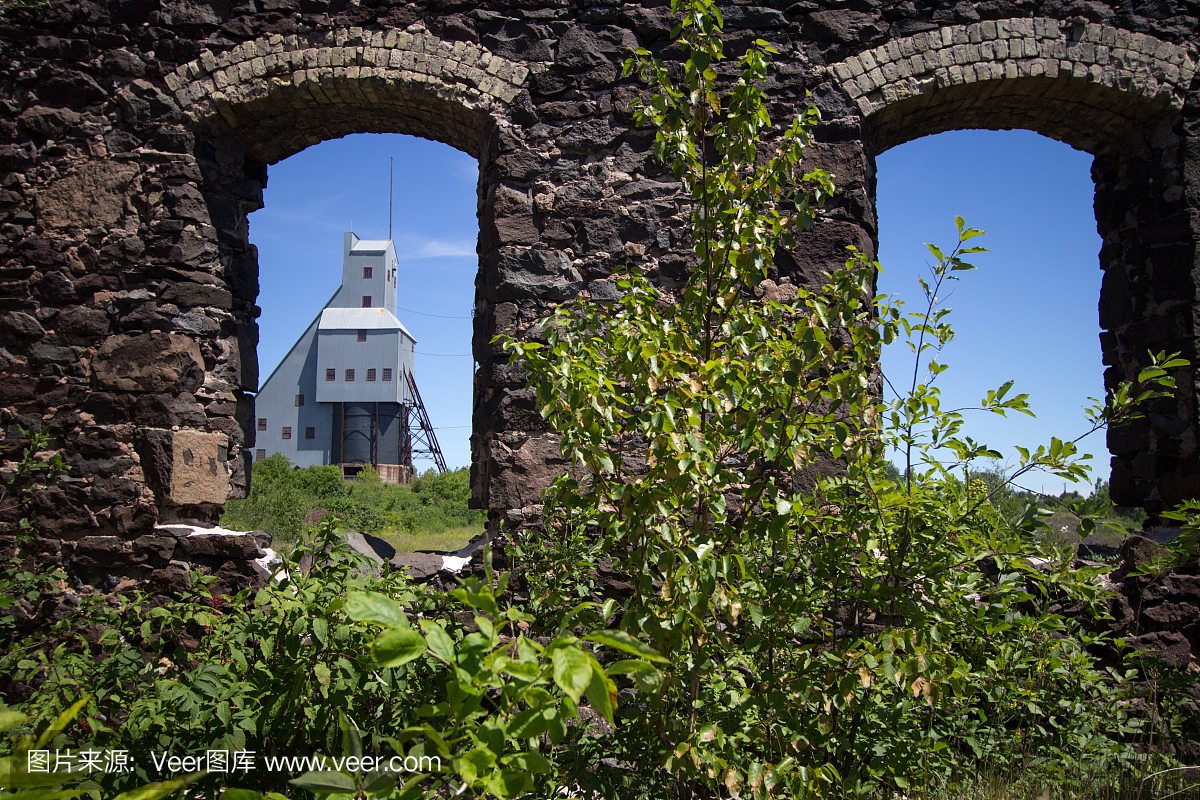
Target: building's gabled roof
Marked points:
369	246
343	319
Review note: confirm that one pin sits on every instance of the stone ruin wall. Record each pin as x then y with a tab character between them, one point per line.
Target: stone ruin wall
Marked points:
135	136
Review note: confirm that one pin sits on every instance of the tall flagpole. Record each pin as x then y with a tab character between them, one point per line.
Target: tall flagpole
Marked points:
390	162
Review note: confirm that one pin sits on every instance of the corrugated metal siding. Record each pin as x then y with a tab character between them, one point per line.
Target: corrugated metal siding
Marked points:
359	318
339	350
276	403
381	286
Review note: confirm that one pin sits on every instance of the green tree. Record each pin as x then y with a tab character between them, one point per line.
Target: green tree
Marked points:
826	629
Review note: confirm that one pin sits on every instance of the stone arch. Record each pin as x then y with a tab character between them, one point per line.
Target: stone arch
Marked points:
271	97
1112	93
1101	81
264	92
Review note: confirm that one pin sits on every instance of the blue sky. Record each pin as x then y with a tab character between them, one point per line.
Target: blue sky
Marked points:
1028	313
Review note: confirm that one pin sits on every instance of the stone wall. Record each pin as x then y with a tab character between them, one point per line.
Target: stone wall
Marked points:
167	560
135	136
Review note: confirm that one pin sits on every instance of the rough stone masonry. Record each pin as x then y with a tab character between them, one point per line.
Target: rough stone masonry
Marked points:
135	136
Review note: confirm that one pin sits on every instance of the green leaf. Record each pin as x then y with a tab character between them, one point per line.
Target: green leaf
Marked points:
14	774
572	671
440	643
508	783
43	794
531	762
11	719
321	673
601	693
328	782
376	782
531	722
63	720
397	646
320	630
623	641
375	607
645	677
241	794
351	737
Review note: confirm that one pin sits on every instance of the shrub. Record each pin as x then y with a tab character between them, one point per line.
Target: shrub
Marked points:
833	628
281	497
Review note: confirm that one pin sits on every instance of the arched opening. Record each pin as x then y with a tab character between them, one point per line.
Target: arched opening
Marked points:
1115	95
1029	313
270	99
393	216
310	203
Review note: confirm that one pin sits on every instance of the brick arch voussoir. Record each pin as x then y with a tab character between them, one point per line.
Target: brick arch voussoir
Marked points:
280	94
1080	84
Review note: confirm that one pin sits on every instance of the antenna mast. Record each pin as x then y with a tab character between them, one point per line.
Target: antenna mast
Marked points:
391	159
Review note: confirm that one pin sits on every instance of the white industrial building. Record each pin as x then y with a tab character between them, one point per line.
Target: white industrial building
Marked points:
345	393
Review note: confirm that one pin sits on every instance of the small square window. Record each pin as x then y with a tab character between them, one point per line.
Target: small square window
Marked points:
349	374
362	334
331	374
368	272
370	374
259	455
287	433
299	400
387	374
310	433
262	423
366	301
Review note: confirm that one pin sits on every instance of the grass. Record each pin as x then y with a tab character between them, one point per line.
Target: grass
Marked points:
447	540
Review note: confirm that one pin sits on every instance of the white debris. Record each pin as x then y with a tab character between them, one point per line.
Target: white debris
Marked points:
198	531
454	563
271	562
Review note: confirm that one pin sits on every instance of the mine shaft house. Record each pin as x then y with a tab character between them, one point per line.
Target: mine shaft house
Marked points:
345	393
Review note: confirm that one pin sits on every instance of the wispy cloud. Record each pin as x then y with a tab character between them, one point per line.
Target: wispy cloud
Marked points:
411	248
282	220
466	170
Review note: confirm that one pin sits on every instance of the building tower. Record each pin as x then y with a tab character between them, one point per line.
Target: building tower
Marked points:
346	393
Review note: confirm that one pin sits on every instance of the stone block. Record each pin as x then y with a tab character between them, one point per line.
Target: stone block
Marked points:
521	273
174	579
110	552
82	321
1171	648
157	550
218	547
1175	587
150	362
93	196
199	468
418	566
1172	614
